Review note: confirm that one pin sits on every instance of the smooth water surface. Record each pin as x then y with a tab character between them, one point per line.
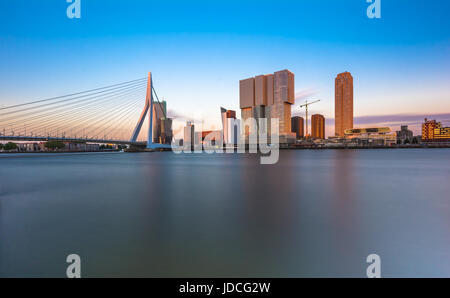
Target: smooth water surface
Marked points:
314	214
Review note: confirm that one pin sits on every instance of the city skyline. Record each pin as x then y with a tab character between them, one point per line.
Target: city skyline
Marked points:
385	56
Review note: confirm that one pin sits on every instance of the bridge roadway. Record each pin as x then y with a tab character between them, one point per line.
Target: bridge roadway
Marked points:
46	139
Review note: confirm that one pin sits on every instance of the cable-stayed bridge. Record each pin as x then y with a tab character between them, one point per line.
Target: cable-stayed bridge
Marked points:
101	115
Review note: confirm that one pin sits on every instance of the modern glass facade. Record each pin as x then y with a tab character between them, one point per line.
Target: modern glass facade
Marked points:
318	126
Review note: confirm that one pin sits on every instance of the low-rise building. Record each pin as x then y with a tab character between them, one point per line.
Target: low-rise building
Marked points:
404	135
377	136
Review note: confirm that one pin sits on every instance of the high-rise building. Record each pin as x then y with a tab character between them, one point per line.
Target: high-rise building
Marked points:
318	126
164	131
247	102
297	126
433	131
162	126
343	103
268	96
189	136
230	127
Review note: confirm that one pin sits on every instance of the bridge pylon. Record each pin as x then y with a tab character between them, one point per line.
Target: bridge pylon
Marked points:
148	108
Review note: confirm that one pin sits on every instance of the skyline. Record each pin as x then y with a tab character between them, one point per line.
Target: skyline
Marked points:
400	63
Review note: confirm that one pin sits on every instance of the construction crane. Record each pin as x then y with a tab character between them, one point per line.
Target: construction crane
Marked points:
306	105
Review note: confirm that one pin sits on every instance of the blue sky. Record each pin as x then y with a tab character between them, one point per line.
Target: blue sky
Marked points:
199	50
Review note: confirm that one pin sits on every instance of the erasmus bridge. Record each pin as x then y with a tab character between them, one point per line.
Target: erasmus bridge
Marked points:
105	115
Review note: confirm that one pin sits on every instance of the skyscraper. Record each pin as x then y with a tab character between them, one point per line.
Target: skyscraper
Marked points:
343	103
164	131
268	96
284	97
297	126
189	136
230	127
318	126
162	126
247	101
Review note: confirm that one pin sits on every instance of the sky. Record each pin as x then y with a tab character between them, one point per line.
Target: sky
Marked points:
198	51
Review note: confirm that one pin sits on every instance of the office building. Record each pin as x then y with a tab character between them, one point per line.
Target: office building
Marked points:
318	126
298	127
230	127
268	96
189	136
343	103
162	126
163	131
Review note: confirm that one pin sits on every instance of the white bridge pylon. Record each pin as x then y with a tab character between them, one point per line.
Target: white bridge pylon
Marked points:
148	107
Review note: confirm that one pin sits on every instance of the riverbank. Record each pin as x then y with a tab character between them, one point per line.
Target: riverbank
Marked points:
351	146
286	147
59	152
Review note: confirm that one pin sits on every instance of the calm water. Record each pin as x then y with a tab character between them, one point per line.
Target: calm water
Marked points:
314	214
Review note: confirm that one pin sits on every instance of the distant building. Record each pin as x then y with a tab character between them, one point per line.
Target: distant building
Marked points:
404	135
268	96
164	131
433	131
343	103
30	147
428	130
230	127
213	138
189	136
381	136
298	126
162	125
318	126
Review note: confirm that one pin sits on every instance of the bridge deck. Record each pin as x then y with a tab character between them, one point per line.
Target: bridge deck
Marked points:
45	139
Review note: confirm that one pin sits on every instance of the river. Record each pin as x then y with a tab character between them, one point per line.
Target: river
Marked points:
316	213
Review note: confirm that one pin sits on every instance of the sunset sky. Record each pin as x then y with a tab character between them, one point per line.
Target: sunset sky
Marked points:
199	50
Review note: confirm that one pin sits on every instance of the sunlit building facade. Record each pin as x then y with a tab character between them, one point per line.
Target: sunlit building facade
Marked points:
266	97
382	136
189	136
433	131
318	126
230	127
343	103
